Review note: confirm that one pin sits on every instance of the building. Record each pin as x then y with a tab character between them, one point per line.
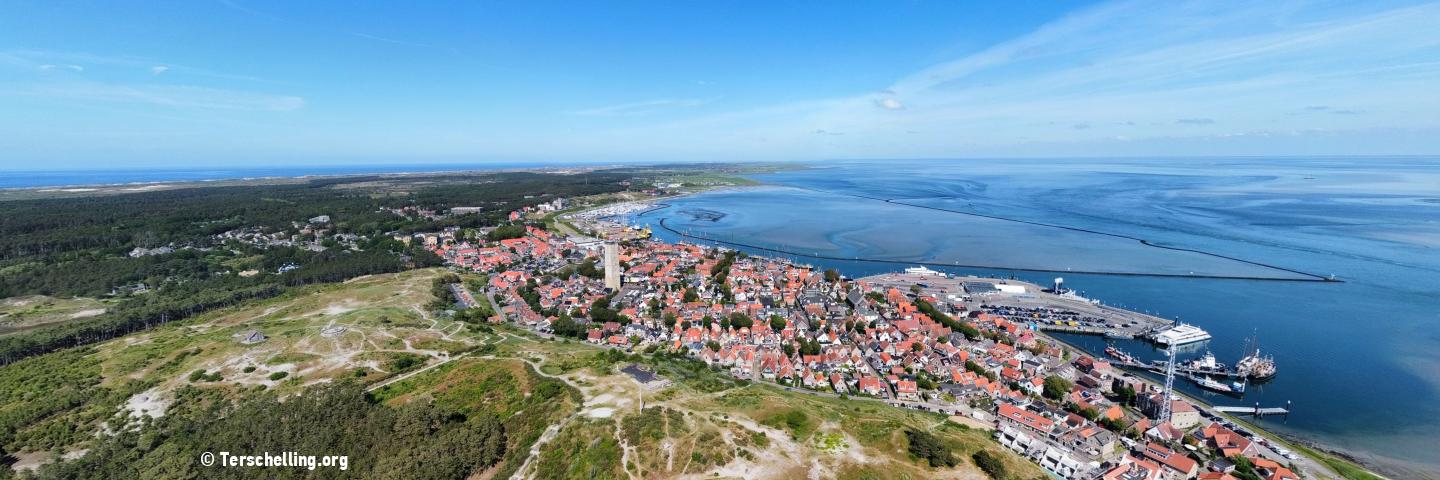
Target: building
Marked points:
1225	442
612	266
1132	468
1174	465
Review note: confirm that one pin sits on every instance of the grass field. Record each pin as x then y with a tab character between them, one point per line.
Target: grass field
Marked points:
19	314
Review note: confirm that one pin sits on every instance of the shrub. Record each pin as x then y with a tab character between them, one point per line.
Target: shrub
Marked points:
989	464
925	446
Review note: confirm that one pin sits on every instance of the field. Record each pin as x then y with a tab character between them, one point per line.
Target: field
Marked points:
369	329
19	314
706	425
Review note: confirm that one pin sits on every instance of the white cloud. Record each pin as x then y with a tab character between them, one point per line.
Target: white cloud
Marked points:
158	69
889	104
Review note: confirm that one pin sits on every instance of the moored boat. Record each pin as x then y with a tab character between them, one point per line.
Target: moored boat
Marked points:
1212	385
1119	355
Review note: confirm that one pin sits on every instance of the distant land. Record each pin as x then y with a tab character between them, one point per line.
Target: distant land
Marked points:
139	176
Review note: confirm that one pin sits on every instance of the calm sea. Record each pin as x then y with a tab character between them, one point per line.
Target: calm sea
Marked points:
1360	360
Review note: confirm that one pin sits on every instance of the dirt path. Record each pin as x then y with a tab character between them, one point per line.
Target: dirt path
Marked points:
552	430
414	373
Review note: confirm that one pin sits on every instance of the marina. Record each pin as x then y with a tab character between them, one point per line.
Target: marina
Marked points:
1203	367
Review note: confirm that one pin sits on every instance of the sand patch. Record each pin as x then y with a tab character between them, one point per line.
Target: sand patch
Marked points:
87	313
338	309
147	403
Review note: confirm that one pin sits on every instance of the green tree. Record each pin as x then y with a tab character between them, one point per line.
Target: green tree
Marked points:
741	320
1057	388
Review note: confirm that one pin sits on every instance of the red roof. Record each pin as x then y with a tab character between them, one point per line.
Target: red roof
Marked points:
1026	417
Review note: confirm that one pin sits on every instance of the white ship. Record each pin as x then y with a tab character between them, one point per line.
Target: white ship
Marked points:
1181	334
923	271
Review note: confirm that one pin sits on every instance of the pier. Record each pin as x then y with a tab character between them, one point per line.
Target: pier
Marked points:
1256	410
1160	369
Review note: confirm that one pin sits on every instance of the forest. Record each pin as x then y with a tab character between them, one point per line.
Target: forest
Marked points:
79	246
420	440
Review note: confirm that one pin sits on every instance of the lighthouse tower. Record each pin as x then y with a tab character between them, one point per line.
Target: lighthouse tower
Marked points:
612	265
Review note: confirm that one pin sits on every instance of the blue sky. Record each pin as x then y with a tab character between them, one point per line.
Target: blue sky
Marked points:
249	82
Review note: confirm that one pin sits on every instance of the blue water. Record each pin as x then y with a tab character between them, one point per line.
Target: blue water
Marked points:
1359	359
63	178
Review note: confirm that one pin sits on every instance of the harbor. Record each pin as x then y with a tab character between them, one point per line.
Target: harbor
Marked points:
1300	335
1041	308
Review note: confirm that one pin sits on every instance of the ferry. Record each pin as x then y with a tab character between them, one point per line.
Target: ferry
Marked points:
1181	334
924	271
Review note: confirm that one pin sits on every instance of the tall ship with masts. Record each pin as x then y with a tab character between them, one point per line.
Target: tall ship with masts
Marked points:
1254	365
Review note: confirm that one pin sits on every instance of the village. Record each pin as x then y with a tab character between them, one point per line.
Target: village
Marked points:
907	339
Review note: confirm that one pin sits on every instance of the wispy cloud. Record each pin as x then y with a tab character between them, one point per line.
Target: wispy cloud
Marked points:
76	61
50	66
643	107
1120	70
175	96
391	40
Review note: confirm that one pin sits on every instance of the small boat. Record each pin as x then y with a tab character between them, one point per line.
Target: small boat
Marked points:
1119	355
1209	384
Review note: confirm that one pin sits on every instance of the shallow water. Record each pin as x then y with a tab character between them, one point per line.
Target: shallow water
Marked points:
1359	359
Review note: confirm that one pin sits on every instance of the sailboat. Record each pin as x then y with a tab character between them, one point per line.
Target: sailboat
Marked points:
1253	365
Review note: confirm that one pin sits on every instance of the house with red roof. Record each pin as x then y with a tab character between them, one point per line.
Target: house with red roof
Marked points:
1225	441
1175	465
1026	418
907	390
1131	468
870	385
